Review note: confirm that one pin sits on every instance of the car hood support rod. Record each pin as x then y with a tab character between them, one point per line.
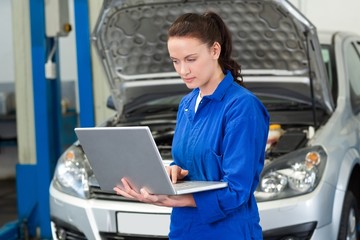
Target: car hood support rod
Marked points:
308	45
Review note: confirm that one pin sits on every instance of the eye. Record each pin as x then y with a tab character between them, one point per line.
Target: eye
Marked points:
191	59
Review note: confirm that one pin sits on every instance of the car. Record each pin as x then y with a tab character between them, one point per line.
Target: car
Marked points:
307	79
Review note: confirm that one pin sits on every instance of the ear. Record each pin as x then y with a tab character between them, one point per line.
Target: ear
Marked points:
216	50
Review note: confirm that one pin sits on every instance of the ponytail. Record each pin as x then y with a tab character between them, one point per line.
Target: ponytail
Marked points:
225	40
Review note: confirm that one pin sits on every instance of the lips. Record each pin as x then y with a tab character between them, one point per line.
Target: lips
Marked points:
188	80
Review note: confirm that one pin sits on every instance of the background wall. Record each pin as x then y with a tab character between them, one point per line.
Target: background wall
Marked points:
67	53
6	46
68	70
331	15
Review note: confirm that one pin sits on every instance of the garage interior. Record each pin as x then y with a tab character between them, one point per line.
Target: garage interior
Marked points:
37	117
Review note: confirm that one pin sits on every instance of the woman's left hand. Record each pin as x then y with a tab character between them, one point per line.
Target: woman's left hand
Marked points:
186	200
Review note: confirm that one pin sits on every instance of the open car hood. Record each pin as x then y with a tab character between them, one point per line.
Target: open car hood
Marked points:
275	44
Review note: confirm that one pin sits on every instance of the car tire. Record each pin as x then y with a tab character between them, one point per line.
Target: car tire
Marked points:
349	218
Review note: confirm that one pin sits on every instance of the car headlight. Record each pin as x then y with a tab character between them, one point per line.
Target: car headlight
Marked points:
292	174
73	174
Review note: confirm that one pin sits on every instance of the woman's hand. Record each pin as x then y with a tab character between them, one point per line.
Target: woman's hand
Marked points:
186	200
175	172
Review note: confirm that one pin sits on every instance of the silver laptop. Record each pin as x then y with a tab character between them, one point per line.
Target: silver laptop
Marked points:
131	152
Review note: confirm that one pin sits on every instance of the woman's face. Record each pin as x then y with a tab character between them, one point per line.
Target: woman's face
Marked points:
195	62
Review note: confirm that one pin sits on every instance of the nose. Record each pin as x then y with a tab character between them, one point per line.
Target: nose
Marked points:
184	69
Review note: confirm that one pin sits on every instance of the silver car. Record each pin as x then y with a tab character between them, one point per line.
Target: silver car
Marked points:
309	82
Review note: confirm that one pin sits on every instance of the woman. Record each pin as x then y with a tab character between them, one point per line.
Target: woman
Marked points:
220	135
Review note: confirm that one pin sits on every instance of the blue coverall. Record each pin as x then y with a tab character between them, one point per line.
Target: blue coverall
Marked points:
223	141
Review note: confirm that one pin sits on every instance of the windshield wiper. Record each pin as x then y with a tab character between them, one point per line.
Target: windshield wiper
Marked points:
287	106
152	109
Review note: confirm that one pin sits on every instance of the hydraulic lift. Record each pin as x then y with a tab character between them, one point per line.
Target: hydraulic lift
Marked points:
35	168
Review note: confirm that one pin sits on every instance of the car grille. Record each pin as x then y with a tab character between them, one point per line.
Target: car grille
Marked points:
299	232
97	193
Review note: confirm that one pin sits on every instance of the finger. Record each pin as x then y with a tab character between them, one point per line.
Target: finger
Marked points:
129	190
174	173
122	193
168	170
146	197
159	200
184	173
145	194
127	186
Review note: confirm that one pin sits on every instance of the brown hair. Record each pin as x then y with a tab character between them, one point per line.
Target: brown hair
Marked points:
209	28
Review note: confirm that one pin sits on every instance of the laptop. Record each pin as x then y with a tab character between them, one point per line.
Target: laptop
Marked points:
131	152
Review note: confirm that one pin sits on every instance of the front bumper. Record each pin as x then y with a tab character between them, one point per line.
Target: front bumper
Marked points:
103	219
305	217
310	216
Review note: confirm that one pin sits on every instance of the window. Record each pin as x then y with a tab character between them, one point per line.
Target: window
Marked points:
352	59
329	61
326	58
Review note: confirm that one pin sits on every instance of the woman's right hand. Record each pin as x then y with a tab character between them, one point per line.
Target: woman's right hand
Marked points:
183	200
176	173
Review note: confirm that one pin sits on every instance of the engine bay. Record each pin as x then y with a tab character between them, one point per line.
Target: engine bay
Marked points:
291	137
